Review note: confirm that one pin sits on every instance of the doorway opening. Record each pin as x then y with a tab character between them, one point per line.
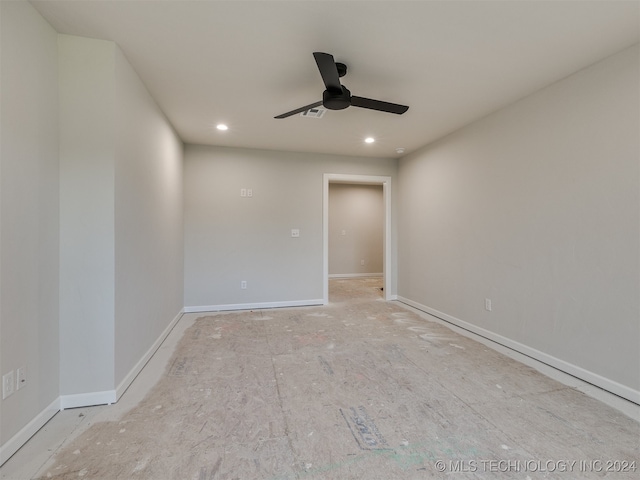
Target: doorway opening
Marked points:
383	263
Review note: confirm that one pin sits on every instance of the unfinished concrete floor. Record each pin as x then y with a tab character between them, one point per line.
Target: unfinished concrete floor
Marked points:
358	389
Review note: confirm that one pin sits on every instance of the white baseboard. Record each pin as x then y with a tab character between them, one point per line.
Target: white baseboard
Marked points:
81	399
253	306
130	377
481	334
20	438
111	396
355	275
89	399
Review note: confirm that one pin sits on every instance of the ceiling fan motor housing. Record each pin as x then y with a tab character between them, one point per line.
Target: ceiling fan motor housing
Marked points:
336	100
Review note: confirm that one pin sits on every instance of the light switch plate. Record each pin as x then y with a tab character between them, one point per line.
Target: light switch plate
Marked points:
295	233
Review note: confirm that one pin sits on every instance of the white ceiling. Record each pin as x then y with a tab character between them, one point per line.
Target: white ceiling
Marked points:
243	62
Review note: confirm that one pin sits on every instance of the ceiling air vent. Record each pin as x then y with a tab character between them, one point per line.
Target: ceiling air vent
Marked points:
313	113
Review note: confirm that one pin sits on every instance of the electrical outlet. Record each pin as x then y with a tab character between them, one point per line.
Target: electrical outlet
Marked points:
7	385
487	304
361	262
21	377
249	192
243	192
243	284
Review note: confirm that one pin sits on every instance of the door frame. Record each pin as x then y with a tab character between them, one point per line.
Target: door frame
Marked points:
386	246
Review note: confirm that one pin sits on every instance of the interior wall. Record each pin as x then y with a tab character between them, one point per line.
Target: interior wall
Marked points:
121	221
148	220
29	213
230	238
356	229
91	241
536	207
87	210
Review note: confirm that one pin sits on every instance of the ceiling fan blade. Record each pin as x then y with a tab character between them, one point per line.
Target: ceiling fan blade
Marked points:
300	110
328	71
378	105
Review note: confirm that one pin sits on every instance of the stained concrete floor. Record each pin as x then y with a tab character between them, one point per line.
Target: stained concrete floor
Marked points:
358	389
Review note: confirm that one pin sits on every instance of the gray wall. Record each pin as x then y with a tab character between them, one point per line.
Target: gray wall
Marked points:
28	212
91	239
537	208
87	241
149	263
121	219
229	238
356	229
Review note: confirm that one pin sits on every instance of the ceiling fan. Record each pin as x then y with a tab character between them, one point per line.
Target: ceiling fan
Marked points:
336	96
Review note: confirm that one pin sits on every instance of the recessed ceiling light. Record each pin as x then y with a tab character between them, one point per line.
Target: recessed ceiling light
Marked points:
222	126
399	150
369	140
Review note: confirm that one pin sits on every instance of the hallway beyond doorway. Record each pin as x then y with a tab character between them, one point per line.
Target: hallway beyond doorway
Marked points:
355	289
